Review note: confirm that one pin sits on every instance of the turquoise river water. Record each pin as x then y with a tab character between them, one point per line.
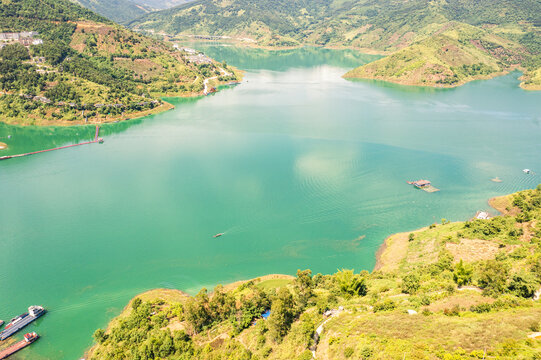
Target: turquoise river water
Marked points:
299	167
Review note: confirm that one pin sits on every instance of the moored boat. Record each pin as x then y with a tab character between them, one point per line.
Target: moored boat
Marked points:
28	339
19	322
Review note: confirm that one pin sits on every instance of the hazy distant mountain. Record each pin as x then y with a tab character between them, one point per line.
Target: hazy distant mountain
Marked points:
160	4
120	11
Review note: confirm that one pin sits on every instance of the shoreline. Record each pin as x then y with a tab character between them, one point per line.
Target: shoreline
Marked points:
178	295
165	106
431	86
386	249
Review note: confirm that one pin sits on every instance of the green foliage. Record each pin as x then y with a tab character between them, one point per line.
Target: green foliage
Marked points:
350	283
493	277
411	284
524	285
385	305
462	274
304	287
15	52
281	314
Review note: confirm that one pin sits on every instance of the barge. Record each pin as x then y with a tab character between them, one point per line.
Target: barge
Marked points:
16	324
28	339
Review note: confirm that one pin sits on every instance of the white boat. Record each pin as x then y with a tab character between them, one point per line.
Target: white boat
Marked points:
526	171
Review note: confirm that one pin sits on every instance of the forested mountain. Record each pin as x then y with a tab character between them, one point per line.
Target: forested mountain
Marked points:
120	11
86	66
381	25
452	291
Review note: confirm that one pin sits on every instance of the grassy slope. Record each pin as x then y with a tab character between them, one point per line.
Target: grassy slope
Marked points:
377	326
456	54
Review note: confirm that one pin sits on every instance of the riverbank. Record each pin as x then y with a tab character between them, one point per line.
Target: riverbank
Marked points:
395	247
438	274
105	119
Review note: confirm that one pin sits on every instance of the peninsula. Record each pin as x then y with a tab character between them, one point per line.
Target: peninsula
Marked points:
63	65
479	280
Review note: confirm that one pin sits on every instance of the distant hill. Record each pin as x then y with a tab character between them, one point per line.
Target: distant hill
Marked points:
455	54
385	26
88	67
160	4
120	11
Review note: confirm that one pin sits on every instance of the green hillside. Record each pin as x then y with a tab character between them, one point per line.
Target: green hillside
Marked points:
120	11
88	68
452	56
384	25
450	291
379	26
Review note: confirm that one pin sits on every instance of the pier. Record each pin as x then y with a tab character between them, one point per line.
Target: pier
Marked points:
97	139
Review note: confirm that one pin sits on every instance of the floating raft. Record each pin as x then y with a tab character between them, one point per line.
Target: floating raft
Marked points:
425	185
96	140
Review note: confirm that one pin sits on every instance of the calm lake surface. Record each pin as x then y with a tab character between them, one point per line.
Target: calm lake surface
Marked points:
299	167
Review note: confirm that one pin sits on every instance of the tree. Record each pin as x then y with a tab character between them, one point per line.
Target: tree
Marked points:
411	237
411	284
304	285
462	274
136	303
99	336
16	52
524	285
351	284
281	315
493	278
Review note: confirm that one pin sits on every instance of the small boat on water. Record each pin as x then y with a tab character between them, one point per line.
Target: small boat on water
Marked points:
527	171
218	235
1	323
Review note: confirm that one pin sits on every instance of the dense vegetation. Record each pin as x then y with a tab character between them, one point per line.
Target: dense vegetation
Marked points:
475	279
87	67
378	25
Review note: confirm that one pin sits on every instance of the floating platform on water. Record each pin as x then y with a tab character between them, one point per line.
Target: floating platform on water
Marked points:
425	185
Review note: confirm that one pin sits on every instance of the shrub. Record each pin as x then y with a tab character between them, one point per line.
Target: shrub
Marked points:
462	274
385	305
366	352
411	237
351	284
524	285
348	352
481	308
410	284
493	278
454	311
305	355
